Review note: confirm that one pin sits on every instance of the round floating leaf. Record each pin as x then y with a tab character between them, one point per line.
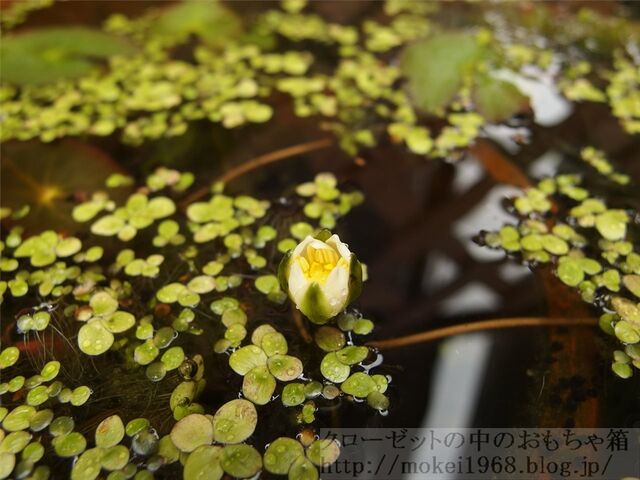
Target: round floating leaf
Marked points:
50	370
33	452
303	469
61	426
9	356
330	392
136	426
378	401
626	333
37	396
258	385
267	284
173	358
202	284
88	465
94	339
145	353
323	452
570	272
203	464
293	394
69	445
274	343
109	432
260	332
232	316
280	455
156	371
7	464
359	385
554	245
632	283
170	293
352	354
119	322
363	326
623	370
191	432
115	458
235	421
41	420
18	418
103	304
333	369
246	358
219	306
285	367
80	395
241	461
68	246
15	442
329	339
612	224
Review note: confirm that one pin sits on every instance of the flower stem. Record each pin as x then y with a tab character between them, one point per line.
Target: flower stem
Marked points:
302	328
493	324
260	161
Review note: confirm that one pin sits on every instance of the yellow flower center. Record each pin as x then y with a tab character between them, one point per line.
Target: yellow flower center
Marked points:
317	263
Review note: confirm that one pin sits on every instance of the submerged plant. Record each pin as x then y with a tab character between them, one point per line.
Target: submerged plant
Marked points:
143	314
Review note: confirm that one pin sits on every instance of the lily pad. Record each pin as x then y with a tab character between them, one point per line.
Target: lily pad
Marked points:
435	67
49	54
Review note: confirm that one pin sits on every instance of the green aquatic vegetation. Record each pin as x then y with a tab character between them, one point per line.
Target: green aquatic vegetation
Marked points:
234	69
589	245
129	311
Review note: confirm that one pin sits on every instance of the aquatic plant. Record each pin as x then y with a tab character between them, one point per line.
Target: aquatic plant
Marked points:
562	222
213	272
403	77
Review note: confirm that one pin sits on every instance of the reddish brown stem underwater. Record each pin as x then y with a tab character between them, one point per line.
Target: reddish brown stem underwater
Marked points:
493	324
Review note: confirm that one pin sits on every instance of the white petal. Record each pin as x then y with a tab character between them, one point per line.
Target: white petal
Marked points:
302	245
340	247
336	289
298	283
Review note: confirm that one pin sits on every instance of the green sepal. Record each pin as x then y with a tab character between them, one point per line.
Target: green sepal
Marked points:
315	306
355	279
283	271
323	235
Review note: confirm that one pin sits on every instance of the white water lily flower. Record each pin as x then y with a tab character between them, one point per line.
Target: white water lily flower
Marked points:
321	276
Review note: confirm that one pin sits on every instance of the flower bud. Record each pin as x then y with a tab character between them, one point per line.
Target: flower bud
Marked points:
321	276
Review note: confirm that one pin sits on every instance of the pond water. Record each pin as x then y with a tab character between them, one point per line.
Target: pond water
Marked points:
417	232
